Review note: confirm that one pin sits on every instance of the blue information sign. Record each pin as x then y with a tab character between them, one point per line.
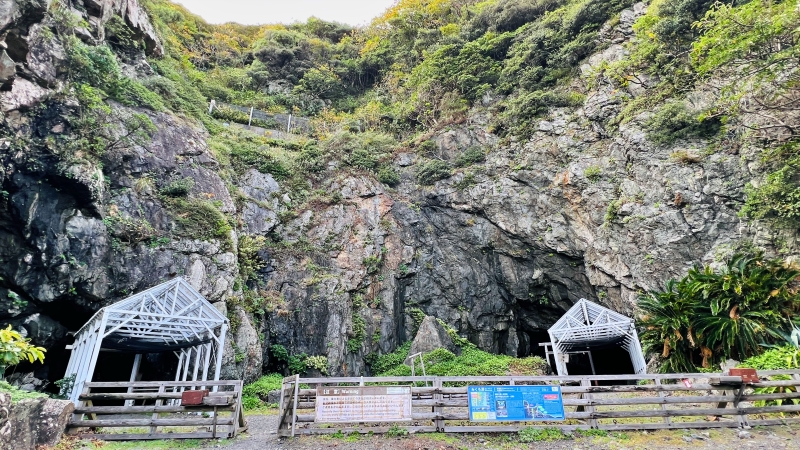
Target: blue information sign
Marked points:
515	403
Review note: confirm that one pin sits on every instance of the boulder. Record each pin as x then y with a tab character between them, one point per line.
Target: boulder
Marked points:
431	336
32	423
274	396
260	211
23	95
44	330
8	71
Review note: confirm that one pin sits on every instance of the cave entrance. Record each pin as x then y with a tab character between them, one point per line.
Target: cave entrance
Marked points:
123	366
171	318
590	333
533	347
601	359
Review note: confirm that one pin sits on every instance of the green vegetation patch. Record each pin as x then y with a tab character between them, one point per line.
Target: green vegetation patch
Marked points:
199	219
471	362
17	394
674	121
539	434
777	358
254	395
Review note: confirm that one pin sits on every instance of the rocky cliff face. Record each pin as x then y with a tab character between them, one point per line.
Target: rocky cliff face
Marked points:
79	233
498	251
502	248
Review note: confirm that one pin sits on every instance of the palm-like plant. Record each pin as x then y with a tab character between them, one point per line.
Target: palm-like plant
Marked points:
720	314
668	328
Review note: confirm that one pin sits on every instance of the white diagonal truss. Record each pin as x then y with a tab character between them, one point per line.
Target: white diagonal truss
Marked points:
170	317
588	324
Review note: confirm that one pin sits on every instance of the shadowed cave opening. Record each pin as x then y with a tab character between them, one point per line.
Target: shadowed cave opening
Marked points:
608	358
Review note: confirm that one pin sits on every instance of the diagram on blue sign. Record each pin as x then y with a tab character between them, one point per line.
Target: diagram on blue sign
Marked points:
515	403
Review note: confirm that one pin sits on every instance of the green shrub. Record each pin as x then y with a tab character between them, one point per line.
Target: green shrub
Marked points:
674	121
426	148
199	219
249	260
524	107
97	66
778	196
361	150
295	363
593	173
389	361
778	358
14	349
388	176
178	188
538	434
317	362
612	210
261	159
18	394
255	394
264	385
433	171
470	156
471	362
359	333
250	402
396	431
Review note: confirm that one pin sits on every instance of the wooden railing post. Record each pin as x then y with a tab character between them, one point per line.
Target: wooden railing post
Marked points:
589	408
286	400
294	406
159	402
661	394
437	395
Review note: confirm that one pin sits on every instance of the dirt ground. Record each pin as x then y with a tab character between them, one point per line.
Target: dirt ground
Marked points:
261	436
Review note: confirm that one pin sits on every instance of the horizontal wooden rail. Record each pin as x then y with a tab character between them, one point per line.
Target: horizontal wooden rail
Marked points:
148	409
311	393
184	422
164	410
146	436
157	384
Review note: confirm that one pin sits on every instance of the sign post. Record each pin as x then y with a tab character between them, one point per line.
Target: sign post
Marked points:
363	404
515	403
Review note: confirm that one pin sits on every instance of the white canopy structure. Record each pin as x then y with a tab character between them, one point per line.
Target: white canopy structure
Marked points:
172	316
588	325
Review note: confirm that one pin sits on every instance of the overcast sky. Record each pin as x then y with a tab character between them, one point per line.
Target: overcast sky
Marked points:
251	12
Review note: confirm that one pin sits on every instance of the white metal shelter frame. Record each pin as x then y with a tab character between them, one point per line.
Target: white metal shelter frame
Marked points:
172	316
588	324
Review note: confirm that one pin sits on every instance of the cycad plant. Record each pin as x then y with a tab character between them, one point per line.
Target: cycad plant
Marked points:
710	316
668	327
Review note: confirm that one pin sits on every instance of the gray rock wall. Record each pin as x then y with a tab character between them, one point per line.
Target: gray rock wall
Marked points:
498	251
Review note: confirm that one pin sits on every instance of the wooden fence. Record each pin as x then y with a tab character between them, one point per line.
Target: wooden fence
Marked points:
610	402
152	410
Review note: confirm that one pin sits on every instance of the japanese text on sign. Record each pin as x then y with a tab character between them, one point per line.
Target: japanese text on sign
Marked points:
515	403
363	404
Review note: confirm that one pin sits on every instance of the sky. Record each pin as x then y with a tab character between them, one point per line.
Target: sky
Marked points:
253	12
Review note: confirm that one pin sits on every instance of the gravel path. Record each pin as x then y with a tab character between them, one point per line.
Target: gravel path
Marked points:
261	436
